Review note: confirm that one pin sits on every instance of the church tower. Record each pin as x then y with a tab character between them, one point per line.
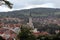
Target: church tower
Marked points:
30	21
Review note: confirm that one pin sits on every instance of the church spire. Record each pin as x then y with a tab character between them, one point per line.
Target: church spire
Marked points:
30	20
30	13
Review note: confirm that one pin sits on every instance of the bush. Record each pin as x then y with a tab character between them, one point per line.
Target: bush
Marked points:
25	34
1	38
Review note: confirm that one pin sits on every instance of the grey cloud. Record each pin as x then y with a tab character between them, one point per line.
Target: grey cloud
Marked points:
23	3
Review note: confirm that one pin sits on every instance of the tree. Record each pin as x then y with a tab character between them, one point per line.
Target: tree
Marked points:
43	37
6	3
57	36
26	34
1	38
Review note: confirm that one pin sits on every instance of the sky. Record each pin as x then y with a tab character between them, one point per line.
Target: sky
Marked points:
27	4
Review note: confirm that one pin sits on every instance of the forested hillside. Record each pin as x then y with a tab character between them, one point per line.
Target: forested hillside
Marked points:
35	12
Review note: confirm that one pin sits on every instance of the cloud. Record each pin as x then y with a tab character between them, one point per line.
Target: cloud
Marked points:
23	3
27	4
5	9
47	5
2	8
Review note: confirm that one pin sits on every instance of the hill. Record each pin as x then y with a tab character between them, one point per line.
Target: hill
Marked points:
35	12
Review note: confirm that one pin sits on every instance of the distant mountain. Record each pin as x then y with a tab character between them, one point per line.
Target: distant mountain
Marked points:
35	12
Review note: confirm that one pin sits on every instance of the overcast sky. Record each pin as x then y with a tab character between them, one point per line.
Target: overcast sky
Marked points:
27	4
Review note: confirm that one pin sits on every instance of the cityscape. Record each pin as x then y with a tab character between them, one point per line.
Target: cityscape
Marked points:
29	20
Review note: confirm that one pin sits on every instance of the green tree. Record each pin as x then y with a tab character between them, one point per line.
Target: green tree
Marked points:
43	37
57	36
1	38
26	34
